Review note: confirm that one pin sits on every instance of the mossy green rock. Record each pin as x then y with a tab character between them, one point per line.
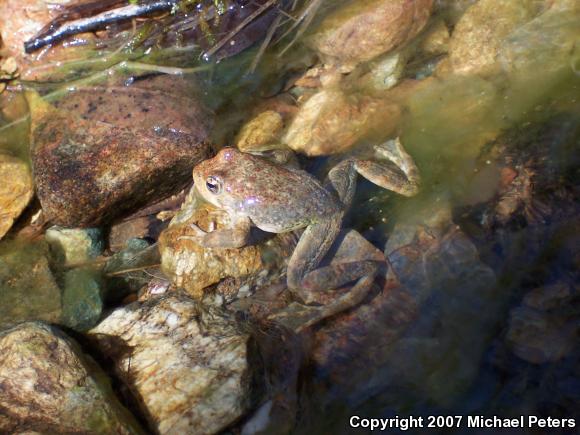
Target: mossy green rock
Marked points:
82	299
28	290
48	385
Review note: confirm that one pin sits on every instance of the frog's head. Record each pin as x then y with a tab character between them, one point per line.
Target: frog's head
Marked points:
220	180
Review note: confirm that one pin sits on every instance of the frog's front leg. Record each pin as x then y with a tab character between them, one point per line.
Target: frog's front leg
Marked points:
235	237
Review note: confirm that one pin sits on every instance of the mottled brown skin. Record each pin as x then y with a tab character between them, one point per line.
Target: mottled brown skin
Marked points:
275	198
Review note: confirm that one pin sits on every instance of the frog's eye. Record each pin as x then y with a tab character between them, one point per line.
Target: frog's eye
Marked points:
213	184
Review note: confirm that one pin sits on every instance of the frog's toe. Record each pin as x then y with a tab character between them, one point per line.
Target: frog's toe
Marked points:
198	235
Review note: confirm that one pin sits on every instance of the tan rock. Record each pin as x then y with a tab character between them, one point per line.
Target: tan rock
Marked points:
188	367
362	30
452	10
193	267
16	190
332	122
436	40
477	39
49	385
259	132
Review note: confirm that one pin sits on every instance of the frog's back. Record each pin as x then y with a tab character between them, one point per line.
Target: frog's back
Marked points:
276	198
291	200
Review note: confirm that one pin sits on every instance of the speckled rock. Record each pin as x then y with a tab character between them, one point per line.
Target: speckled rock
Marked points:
188	367
477	39
28	290
48	385
332	122
103	153
16	190
361	31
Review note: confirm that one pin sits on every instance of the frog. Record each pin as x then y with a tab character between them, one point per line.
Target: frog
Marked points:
255	190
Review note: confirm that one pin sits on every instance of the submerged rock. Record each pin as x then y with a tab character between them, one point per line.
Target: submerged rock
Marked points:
82	299
189	368
384	73
16	190
105	152
361	31
539	337
436	40
348	247
478	37
331	122
261	131
458	302
545	327
421	336
544	51
75	246
131	268
28	290
48	385
349	352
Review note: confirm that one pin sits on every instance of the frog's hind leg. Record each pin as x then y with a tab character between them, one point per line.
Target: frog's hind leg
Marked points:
342	180
314	244
405	183
351	299
356	260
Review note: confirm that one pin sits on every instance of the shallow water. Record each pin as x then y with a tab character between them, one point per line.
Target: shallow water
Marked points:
462	354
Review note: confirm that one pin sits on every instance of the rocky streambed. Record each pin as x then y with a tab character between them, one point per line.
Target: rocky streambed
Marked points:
271	295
